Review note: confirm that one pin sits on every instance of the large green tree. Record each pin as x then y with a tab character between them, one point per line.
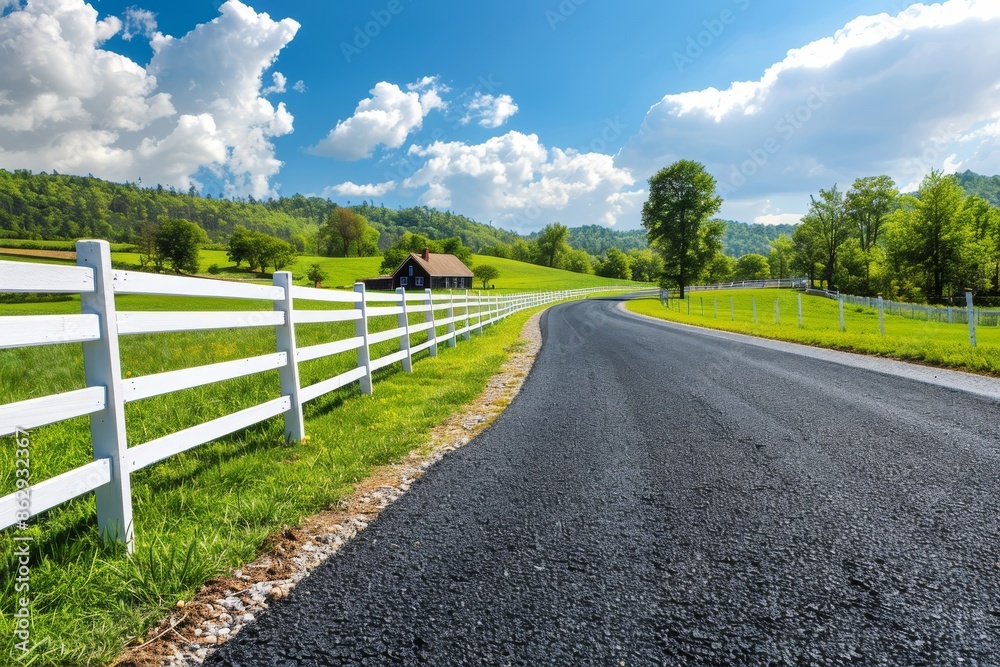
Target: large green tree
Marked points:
831	227
929	237
780	257
682	199
752	267
868	204
616	265
808	255
177	242
552	243
346	232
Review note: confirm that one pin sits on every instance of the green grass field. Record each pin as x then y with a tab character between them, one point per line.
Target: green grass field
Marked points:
934	343
208	510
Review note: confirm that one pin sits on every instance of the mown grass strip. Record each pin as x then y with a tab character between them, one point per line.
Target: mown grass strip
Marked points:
934	343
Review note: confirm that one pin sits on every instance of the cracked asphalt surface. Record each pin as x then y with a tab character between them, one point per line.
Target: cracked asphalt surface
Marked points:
656	495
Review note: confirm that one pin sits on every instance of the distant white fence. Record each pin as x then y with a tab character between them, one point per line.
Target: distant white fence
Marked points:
99	326
775	283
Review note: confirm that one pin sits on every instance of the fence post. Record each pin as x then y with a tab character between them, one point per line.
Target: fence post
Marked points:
452	339
689	303
364	352
972	318
840	307
295	428
732	309
715	307
468	327
777	311
429	317
753	305
479	312
951	315
102	368
800	311
403	322
881	316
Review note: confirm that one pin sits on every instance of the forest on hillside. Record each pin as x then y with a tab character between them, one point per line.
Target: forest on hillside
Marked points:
741	238
987	187
63	207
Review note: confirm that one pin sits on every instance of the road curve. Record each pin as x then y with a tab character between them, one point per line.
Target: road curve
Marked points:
656	495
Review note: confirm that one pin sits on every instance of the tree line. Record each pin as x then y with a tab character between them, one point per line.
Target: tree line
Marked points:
870	239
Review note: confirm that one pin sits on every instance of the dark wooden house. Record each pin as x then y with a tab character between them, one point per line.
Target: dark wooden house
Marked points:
432	270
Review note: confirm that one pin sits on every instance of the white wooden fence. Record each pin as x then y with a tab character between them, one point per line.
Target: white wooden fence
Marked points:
100	325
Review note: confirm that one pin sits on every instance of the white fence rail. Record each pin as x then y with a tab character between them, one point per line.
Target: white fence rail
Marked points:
100	325
783	283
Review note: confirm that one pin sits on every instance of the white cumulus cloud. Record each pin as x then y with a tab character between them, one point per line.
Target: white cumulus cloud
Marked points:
139	22
518	183
490	111
897	94
350	189
67	103
386	119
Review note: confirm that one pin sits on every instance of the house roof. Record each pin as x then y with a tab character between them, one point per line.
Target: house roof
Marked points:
441	265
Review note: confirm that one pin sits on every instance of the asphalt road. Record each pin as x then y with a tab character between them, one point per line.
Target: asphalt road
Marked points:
656	495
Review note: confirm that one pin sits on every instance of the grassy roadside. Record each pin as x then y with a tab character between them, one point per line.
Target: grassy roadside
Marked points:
206	511
933	343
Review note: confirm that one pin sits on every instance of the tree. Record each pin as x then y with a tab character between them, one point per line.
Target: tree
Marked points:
578	261
522	251
929	236
486	273
828	220
279	253
681	200
616	265
177	241
752	267
316	275
721	269
240	245
259	250
780	259
343	230
808	255
368	245
868	204
552	243
646	265
984	219
149	252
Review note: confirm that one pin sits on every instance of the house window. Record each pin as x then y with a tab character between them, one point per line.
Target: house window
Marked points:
419	281
411	269
403	281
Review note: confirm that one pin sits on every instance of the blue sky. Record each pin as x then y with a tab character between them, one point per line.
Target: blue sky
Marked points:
520	113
